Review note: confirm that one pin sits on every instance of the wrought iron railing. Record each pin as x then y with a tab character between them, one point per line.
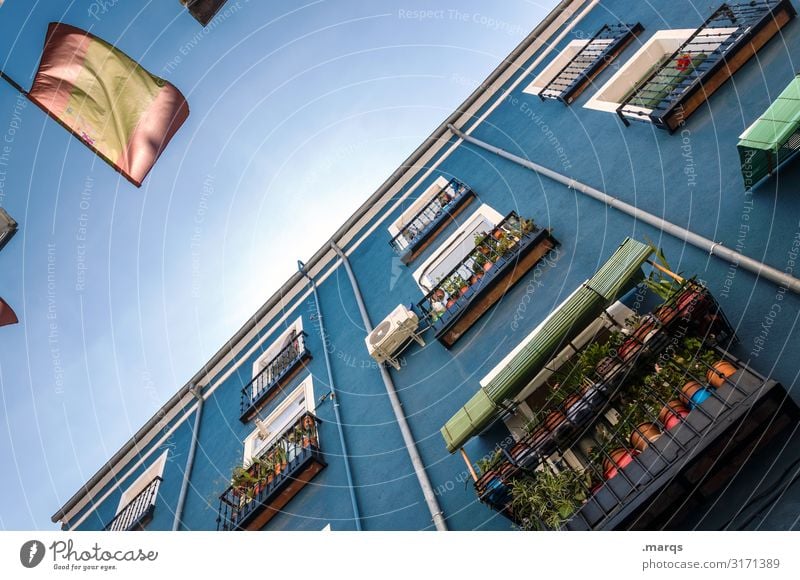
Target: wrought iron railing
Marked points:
279	367
137	511
682	73
427	219
593	57
574	445
493	250
255	487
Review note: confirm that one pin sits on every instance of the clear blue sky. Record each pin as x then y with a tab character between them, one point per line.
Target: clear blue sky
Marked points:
298	112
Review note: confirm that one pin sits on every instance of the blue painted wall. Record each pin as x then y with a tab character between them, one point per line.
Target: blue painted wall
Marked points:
691	177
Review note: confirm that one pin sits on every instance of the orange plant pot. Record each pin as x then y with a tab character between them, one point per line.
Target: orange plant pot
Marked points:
720	371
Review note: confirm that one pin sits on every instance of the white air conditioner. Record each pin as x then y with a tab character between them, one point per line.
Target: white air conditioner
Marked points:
389	337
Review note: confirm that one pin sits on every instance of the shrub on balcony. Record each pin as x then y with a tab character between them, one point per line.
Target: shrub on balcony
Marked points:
548	499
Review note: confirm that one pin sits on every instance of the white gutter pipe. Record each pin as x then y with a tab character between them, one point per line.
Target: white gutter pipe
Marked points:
397	407
335	397
779	277
187	472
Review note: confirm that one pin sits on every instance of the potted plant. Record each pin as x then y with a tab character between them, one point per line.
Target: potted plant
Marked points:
527	225
548	498
616	460
693	393
672	414
643	435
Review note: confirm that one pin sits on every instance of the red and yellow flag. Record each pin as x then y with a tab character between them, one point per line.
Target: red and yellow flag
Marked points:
7	315
106	99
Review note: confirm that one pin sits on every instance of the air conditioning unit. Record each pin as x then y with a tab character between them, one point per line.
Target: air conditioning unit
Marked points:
386	341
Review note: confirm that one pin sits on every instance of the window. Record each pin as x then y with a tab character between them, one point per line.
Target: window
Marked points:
279	363
573	69
299	402
648	58
678	70
136	503
456	247
408	215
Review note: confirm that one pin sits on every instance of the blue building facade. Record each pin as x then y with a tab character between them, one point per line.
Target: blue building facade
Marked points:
272	391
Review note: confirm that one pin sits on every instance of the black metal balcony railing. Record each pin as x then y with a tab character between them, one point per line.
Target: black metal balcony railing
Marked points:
590	60
136	514
671	91
428	219
275	476
578	426
494	253
279	368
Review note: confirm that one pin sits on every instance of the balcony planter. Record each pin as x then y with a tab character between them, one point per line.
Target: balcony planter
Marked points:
503	262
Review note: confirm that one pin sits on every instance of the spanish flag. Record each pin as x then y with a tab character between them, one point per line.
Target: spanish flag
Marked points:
107	100
7	315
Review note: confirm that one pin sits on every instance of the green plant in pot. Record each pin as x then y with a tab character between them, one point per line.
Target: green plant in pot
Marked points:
548	498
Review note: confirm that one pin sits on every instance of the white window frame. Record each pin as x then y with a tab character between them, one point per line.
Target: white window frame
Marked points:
156	469
255	444
405	218
664	42
275	347
464	232
556	66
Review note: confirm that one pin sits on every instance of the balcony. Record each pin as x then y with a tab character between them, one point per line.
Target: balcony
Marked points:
428	221
138	512
683	80
640	428
500	258
277	372
589	61
259	491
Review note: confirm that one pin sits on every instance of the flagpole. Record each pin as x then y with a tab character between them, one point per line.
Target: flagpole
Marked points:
13	83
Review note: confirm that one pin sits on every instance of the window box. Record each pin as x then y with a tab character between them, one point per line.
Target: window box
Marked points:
676	71
260	490
427	217
273	372
568	75
138	502
499	258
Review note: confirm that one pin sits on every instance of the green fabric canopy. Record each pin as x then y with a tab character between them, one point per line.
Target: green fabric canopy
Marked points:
615	277
769	141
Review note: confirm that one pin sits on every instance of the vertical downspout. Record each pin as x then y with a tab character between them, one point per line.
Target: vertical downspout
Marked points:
342	444
187	472
405	430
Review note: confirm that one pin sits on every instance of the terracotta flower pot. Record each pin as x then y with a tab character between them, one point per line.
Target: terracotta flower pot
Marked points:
450	302
554	420
618	459
647	325
438	294
488	266
693	394
644	435
463	290
628	348
666	313
672	414
606	366
498	234
720	371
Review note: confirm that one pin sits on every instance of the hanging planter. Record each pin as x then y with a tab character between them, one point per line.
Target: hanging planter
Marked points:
554	420
672	414
644	435
720	371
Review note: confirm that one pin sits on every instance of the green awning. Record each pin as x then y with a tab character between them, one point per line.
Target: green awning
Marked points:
773	137
620	273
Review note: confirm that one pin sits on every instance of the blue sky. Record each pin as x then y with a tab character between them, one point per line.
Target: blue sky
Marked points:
298	113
